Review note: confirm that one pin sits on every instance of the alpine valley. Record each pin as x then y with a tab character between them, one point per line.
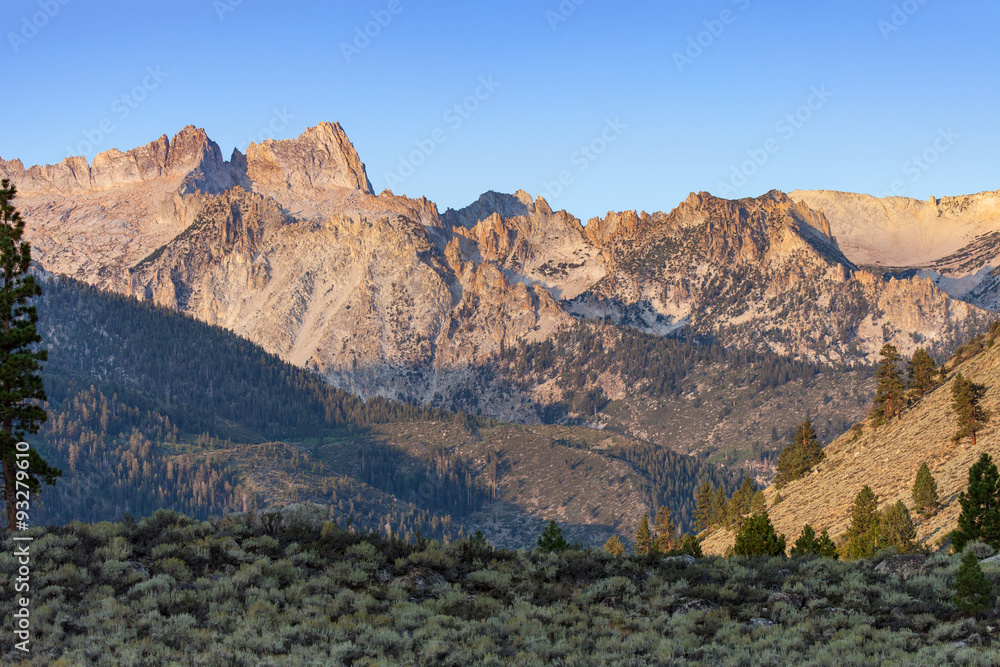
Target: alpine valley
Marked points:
228	334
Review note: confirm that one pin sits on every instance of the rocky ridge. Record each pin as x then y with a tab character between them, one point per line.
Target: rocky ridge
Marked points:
289	246
952	241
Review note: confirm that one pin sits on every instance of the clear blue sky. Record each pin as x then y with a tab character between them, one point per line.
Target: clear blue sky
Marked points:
925	82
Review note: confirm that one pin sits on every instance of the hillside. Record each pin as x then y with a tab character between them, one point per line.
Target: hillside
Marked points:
290	588
887	459
153	409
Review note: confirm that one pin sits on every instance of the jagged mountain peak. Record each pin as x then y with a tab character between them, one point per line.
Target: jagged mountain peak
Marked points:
319	159
190	157
490	203
730	218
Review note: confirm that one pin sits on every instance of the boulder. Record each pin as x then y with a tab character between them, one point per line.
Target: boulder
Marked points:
903	565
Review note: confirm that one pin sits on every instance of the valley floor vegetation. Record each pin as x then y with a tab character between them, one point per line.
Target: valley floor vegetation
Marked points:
290	588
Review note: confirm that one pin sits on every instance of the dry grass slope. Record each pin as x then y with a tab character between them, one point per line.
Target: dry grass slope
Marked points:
887	460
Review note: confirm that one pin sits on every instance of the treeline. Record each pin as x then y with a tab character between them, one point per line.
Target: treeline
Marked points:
113	463
118	458
446	483
656	366
672	478
206	379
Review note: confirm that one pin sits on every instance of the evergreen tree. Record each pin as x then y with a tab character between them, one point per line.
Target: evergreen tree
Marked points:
799	457
925	495
827	549
889	387
897	529
643	537
806	543
757	538
739	504
972	588
863	532
615	546
551	539
809	543
758	505
742	498
665	531
690	545
970	415
921	371
21	387
720	509
703	507
980	517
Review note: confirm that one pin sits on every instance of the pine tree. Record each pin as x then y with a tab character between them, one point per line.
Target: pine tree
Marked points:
925	495
742	498
703	507
757	538
921	371
896	529
972	588
809	543
799	457
863	532
665	531
970	415
889	387
615	546
643	537
739	504
758	505
806	543
827	549
720	509
690	545
551	539
980	517
21	387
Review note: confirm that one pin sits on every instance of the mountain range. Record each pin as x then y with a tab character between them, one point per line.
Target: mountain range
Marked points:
711	329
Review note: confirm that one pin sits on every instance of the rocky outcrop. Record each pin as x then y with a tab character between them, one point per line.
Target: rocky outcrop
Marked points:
528	241
190	157
765	272
320	159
